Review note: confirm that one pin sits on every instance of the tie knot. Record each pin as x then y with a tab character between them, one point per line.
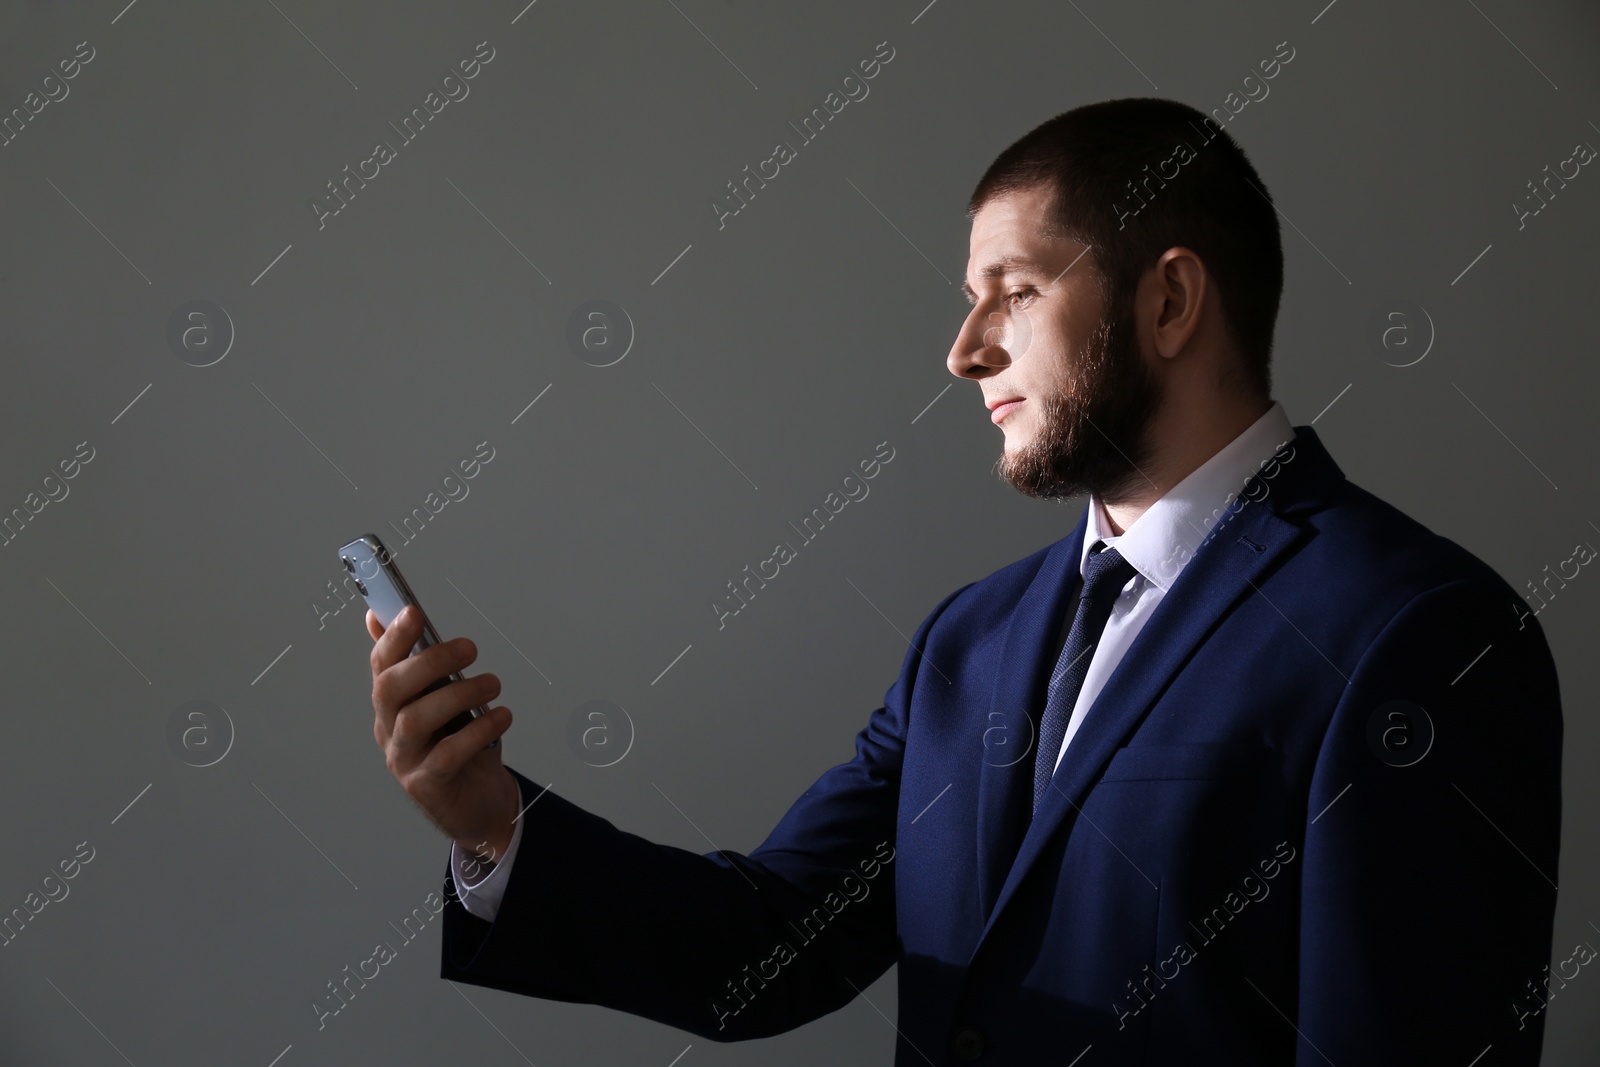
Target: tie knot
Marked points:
1105	573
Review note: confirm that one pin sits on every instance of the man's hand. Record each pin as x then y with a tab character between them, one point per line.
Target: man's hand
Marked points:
458	782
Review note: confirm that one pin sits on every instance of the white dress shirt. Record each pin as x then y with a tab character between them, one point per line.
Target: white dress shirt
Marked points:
1161	541
1158	544
482	898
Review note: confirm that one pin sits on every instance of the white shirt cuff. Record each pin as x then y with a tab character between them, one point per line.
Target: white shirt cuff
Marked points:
482	898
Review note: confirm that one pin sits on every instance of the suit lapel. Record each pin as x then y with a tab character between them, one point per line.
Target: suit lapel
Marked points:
1229	565
1009	729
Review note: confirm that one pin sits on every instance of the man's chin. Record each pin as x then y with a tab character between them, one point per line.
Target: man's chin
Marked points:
1026	479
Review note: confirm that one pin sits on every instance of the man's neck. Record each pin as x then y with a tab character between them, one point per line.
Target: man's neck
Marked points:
1183	442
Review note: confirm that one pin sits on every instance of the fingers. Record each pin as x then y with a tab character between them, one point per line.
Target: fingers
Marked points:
413	696
414	676
395	643
415	723
389	647
466	744
398	679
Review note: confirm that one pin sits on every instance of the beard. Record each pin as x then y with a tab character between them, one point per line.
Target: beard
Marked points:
1093	435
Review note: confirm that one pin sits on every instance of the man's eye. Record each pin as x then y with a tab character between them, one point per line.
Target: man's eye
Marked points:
1027	290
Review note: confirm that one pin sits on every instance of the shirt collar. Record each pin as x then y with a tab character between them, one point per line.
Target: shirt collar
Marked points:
1162	540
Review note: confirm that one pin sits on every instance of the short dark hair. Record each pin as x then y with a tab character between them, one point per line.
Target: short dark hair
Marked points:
1101	161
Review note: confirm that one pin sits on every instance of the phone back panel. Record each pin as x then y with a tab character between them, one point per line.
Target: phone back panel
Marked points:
386	590
387	593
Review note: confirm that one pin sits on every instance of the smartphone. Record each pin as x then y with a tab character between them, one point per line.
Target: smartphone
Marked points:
387	593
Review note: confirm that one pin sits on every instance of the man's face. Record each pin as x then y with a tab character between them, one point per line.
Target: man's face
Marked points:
1040	334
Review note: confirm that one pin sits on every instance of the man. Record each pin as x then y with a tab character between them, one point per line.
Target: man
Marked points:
1249	768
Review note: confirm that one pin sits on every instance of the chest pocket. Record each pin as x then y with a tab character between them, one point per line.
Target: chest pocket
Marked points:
1204	761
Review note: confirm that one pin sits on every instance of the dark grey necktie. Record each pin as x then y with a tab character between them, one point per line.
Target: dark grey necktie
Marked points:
1105	573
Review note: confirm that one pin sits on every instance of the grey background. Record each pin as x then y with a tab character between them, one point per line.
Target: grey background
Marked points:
772	355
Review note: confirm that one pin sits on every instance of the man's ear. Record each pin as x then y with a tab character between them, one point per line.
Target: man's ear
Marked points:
1181	286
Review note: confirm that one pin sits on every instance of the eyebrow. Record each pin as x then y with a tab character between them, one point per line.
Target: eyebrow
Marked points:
1009	264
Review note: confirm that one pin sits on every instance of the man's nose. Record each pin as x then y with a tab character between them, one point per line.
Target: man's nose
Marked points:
977	349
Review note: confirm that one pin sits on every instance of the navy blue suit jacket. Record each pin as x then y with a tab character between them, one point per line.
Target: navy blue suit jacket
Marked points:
1242	858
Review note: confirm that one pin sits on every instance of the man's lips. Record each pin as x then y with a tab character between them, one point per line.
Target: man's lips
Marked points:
1001	408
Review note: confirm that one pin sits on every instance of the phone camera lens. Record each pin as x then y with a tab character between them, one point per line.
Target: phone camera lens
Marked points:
361	587
351	567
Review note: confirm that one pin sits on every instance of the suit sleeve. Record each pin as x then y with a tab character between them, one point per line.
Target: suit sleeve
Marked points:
723	945
1431	844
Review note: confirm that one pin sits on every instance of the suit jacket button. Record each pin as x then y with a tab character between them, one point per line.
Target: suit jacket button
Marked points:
967	1044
